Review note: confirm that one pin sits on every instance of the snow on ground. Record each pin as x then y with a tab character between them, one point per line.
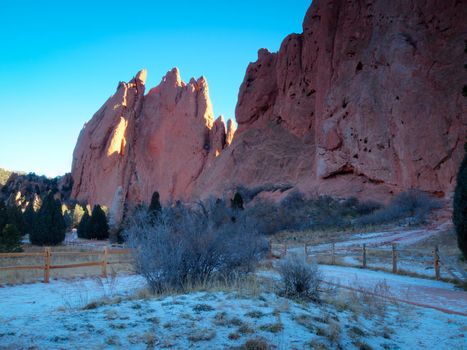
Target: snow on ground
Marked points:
26	300
54	316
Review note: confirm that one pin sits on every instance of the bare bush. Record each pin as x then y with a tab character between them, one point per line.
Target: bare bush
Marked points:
299	279
413	206
183	247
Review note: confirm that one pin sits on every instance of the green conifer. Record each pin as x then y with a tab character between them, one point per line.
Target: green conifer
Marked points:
49	226
98	226
10	239
460	206
83	226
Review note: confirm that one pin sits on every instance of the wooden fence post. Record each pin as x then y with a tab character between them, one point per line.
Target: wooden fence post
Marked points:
436	262
333	254
364	256
394	258
104	261
47	254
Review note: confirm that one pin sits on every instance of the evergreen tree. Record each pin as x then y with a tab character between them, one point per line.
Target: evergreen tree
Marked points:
83	226
29	217
49	226
237	201
15	217
155	206
3	215
10	239
68	220
98	226
460	206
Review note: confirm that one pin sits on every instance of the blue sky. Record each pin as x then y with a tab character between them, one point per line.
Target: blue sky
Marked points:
61	60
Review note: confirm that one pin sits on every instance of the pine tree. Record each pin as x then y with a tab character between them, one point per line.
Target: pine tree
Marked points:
83	226
460	206
98	226
237	201
10	239
15	217
49	224
29	217
3	215
155	206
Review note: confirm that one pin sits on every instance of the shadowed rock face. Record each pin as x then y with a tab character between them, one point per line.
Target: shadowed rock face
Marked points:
367	101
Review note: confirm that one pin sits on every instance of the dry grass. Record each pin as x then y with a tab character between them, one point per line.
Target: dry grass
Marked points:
255	314
202	335
272	327
256	344
299	238
305	321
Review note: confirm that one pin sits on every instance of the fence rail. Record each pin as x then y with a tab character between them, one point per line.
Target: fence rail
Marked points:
48	254
280	250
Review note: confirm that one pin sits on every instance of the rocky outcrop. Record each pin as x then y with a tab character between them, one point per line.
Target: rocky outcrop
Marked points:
367	101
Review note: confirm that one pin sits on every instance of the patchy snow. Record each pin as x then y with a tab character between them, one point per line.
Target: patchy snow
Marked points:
52	316
431	293
27	300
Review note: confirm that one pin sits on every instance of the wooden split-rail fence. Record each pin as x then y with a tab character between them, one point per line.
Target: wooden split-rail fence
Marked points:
280	250
47	254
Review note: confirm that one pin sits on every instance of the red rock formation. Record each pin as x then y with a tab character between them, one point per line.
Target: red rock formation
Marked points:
366	101
137	144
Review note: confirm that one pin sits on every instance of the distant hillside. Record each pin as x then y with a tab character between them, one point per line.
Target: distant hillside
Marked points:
4	176
21	188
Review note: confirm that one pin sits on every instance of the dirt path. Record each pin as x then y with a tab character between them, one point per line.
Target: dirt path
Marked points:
422	292
400	237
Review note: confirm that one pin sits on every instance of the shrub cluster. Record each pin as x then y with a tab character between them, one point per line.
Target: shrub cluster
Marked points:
413	206
186	246
296	212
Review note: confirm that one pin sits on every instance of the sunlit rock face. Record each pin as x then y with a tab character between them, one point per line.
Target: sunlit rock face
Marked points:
367	101
137	144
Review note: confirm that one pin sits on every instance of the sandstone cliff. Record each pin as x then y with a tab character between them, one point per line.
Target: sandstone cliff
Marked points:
136	143
366	101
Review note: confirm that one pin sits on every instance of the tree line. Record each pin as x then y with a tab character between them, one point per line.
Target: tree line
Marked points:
46	221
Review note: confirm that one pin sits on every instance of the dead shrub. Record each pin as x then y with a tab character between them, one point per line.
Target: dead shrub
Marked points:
184	246
299	279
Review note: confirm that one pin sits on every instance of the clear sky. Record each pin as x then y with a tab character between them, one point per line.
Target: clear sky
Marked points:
61	60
